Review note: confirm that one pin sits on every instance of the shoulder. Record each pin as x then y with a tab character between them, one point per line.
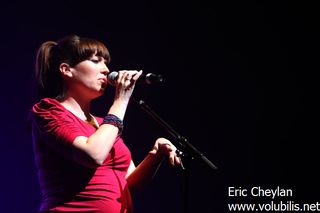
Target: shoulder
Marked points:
48	109
49	116
47	104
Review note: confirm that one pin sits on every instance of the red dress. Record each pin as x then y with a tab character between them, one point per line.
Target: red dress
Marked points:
67	186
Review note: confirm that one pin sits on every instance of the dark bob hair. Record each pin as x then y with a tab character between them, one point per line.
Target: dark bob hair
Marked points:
72	50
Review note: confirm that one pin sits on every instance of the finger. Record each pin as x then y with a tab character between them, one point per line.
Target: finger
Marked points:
131	73
154	149
125	73
127	81
171	159
165	148
131	78
169	147
137	75
123	77
177	160
163	141
128	76
120	77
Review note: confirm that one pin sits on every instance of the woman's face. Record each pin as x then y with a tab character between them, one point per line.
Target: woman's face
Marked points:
89	77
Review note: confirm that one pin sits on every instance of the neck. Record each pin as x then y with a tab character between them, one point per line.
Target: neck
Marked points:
78	106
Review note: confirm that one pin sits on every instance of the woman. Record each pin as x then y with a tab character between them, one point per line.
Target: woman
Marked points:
83	164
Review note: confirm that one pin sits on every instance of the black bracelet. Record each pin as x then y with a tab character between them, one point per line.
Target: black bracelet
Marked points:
113	120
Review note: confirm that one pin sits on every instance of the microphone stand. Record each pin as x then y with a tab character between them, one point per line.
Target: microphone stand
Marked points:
190	152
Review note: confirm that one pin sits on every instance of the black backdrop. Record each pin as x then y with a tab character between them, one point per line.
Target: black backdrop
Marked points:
240	85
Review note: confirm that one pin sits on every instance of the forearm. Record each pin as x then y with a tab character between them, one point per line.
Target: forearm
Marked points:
144	172
119	108
149	166
99	144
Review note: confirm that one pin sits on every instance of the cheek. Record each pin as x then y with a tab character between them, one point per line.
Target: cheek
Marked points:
90	79
87	74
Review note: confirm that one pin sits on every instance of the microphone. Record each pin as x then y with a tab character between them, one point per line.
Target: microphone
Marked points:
149	78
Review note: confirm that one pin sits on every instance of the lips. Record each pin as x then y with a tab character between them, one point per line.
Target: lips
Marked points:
104	80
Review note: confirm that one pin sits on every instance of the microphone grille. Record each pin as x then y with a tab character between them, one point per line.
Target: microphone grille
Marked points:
112	77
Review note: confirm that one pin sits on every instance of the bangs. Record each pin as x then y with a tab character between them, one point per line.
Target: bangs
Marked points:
89	47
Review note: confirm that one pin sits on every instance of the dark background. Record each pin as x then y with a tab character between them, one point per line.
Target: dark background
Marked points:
240	85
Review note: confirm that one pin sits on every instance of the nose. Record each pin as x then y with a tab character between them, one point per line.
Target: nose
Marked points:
105	70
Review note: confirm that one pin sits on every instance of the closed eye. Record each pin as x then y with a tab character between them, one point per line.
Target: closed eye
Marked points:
98	60
95	61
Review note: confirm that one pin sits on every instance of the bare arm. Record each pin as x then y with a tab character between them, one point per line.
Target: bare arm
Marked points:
93	151
140	176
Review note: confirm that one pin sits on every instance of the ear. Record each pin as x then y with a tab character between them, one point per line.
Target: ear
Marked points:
65	69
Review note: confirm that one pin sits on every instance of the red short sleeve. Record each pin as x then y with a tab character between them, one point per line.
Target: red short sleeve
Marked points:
56	125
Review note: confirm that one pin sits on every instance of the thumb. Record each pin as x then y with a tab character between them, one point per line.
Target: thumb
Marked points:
154	150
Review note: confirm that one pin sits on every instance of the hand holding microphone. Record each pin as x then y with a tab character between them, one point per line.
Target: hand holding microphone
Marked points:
149	78
125	81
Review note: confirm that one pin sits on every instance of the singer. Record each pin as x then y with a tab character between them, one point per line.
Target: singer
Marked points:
83	163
